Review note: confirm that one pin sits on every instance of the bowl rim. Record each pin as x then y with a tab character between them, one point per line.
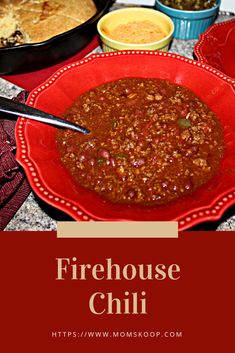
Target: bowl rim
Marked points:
212	211
135	45
207	11
198	48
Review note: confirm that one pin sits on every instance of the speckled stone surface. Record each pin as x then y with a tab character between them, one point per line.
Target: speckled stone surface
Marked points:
34	214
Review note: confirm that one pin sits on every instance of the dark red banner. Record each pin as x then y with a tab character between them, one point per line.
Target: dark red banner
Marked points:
87	295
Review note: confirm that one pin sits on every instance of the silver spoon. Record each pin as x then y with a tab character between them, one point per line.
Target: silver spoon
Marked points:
19	109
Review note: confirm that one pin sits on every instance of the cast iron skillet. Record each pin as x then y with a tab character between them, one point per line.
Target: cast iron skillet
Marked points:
30	57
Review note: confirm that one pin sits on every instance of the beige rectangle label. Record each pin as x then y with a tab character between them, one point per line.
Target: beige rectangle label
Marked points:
117	230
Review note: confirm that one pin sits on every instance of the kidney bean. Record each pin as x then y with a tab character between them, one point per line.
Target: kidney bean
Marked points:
131	193
104	153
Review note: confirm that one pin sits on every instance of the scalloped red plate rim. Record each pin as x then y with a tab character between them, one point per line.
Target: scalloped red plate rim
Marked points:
198	48
214	211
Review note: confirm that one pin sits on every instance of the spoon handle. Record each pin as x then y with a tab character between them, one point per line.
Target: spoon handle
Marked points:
19	109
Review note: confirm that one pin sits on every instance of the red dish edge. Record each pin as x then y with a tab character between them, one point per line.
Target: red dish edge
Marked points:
188	219
201	43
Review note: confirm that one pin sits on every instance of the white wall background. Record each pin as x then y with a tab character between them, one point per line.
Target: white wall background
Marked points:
228	5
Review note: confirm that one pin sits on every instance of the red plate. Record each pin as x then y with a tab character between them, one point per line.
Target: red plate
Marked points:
216	47
37	152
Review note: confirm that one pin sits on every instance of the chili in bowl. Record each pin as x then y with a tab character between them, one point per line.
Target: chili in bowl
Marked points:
151	141
161	145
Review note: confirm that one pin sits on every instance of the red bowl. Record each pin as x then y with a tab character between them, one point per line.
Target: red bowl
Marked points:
216	47
36	142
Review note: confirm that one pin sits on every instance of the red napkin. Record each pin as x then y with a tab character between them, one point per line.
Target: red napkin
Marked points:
14	187
30	80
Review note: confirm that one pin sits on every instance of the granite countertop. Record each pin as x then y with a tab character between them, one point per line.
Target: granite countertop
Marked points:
34	214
